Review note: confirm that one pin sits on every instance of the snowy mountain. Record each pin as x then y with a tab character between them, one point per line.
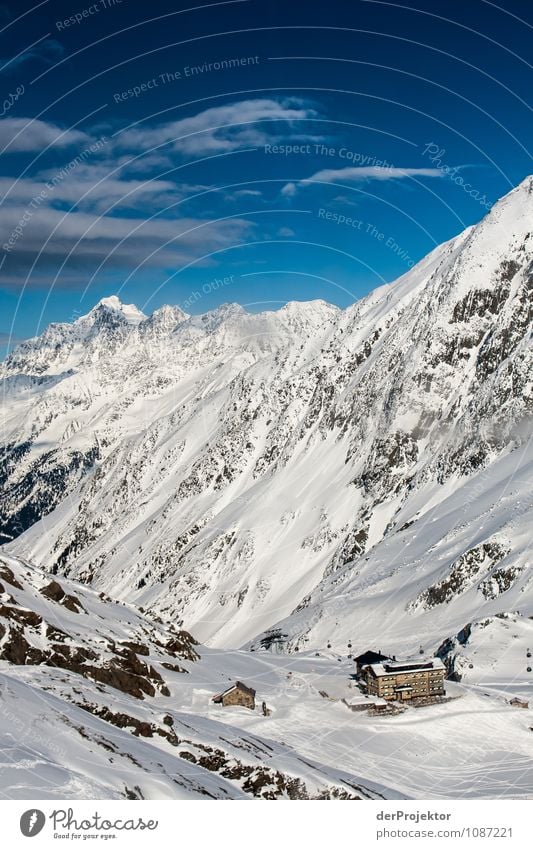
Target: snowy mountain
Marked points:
296	470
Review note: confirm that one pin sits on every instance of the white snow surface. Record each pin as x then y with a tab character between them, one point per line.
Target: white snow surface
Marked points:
58	742
65	733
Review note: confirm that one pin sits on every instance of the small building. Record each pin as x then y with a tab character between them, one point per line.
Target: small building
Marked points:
237	694
357	707
519	703
366	704
369	657
380	706
405	680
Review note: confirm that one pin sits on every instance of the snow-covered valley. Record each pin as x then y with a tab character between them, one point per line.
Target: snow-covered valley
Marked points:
74	723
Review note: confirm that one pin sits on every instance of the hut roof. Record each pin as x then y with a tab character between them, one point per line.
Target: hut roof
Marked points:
237	686
371	657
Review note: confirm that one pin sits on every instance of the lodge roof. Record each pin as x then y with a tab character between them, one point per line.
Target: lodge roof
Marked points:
371	657
381	670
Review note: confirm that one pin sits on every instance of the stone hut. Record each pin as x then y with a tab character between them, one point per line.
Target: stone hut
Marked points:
237	694
519	703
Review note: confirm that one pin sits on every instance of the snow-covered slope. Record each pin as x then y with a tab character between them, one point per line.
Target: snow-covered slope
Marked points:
461	552
75	723
299	468
101	701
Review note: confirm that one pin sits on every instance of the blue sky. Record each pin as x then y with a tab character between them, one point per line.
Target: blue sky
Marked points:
246	151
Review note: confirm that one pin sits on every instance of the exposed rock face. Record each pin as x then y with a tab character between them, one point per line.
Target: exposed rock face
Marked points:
500	581
30	636
41	488
55	592
463	571
231	469
256	780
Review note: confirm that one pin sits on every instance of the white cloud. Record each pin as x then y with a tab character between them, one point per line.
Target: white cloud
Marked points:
47	213
344	199
251	193
220	129
94	238
289	190
88	191
25	135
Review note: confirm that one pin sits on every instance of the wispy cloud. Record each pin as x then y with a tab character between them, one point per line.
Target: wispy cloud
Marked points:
27	135
116	242
89	189
248	123
359	175
247	193
289	190
48	51
103	208
8	338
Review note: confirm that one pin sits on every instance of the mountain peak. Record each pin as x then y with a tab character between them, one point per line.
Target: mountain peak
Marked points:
219	315
519	199
130	312
113	302
526	185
